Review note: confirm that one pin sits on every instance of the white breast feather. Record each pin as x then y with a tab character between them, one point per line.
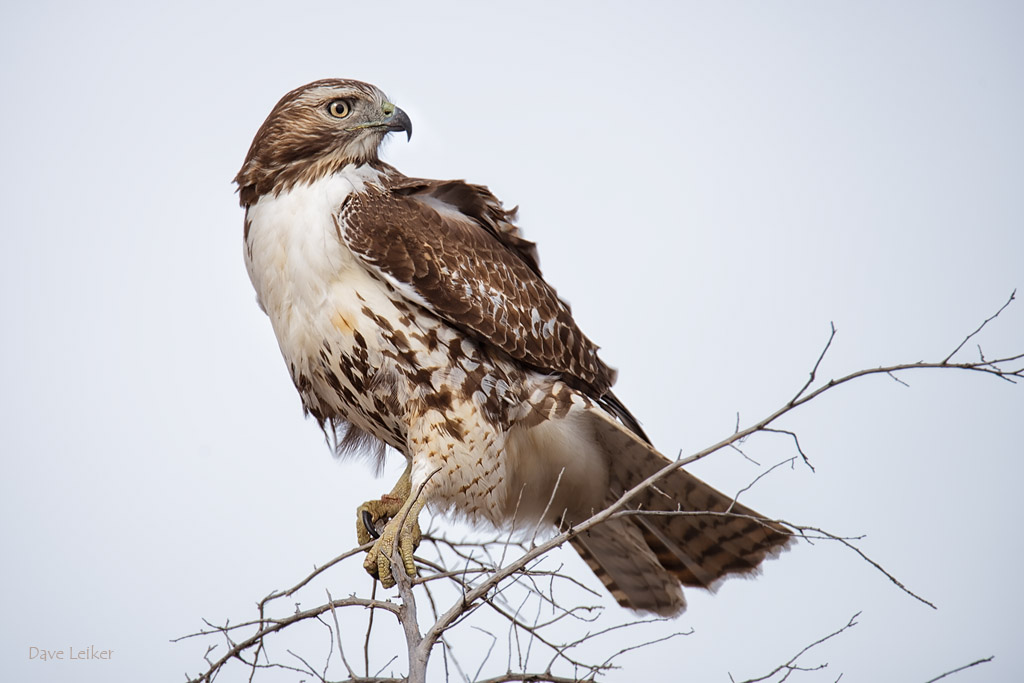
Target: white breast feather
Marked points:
303	274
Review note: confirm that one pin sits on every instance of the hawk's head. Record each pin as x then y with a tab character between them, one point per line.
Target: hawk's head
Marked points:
316	130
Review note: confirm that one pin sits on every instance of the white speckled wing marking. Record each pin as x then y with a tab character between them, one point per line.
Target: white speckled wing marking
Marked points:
457	263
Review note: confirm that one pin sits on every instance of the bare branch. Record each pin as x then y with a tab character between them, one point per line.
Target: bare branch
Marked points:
369	630
1013	295
798	529
488	654
337	631
309	667
898	380
796	442
817	364
791	664
418	655
743	453
316	572
962	668
638	646
758	478
871	562
275	625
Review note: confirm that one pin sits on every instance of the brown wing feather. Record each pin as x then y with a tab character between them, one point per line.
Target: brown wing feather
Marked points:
475	202
451	244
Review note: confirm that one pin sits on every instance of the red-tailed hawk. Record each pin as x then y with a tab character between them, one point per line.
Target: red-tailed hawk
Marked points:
413	313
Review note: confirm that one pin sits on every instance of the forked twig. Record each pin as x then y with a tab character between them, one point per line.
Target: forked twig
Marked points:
791	665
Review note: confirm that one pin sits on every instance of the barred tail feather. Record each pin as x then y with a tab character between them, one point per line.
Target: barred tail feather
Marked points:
644	559
619	555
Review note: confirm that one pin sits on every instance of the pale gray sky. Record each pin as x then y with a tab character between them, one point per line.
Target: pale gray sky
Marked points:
710	185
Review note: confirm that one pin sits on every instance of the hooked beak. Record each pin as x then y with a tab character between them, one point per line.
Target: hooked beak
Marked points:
397	120
393	119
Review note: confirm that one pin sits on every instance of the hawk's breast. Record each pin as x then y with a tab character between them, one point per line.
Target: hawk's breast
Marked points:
324	306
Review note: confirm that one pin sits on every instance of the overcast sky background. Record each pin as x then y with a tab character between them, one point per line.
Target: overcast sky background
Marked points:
710	185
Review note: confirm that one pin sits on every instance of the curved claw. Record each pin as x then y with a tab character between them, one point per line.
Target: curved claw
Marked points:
368	524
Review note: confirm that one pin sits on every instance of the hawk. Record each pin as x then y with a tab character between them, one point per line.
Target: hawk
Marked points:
412	313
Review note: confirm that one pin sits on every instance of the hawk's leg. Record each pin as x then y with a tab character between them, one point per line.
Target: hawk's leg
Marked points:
402	516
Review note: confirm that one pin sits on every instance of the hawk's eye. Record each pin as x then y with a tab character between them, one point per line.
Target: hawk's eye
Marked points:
339	108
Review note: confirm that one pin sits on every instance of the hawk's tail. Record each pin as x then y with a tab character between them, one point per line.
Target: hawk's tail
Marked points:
683	532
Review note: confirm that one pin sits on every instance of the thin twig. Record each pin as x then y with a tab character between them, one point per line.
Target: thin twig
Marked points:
735	499
337	631
369	629
789	666
275	625
796	442
957	670
995	315
817	364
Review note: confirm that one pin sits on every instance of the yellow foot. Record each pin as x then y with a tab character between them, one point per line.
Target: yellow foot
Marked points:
378	560
397	514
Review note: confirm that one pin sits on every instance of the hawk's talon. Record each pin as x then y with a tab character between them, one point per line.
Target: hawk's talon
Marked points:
383	509
368	525
374	512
